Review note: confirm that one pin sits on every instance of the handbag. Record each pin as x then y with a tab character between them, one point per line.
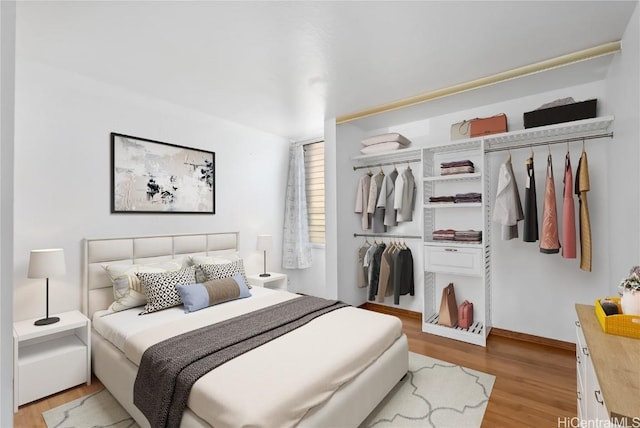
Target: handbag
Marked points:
448	308
465	314
460	130
488	125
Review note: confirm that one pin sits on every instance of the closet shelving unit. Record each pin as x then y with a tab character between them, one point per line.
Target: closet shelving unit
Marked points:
468	266
586	129
464	264
395	157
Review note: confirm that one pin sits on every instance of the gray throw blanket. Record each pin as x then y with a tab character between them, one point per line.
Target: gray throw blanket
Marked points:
169	369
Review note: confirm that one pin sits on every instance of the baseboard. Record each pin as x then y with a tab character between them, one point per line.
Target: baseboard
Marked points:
391	310
533	339
494	331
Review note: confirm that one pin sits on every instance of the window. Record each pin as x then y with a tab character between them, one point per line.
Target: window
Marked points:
314	178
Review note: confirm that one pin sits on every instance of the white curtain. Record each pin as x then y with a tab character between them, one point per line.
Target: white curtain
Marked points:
296	248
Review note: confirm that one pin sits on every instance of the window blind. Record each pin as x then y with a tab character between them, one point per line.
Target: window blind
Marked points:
314	178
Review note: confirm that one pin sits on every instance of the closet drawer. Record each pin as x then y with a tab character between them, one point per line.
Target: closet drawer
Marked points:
457	260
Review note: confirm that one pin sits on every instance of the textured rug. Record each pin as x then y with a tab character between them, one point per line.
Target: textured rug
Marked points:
433	394
97	410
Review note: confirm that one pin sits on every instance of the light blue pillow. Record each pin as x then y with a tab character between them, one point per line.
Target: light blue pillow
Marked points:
201	295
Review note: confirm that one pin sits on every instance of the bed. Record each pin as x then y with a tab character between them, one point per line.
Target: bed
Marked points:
330	372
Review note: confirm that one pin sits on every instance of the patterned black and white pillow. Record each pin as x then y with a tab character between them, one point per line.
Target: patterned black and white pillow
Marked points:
160	288
225	270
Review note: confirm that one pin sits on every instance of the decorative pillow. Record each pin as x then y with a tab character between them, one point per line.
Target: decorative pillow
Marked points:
215	259
127	290
160	288
219	271
201	295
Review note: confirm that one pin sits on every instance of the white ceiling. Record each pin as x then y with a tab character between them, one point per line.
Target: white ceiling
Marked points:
283	67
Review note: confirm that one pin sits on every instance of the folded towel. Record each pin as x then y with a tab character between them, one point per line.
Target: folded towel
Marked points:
392	137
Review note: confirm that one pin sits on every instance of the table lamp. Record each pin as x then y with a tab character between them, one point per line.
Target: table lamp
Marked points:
264	244
45	264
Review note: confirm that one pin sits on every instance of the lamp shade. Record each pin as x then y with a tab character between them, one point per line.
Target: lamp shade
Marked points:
264	242
46	263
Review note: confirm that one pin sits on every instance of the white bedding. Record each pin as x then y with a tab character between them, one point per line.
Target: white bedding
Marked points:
116	327
277	383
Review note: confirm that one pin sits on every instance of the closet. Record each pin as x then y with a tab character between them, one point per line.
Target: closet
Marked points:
468	265
406	232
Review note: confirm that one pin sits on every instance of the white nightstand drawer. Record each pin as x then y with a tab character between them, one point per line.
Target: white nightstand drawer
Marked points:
50	366
456	260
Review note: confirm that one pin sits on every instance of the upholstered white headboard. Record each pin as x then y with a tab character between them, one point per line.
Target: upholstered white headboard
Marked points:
97	288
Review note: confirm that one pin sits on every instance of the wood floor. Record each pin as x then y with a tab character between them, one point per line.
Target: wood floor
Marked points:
535	384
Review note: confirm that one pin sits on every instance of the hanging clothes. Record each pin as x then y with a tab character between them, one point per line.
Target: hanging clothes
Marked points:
549	242
385	198
386	284
581	189
568	213
507	209
377	214
362	200
403	274
363	270
404	197
368	261
374	270
530	205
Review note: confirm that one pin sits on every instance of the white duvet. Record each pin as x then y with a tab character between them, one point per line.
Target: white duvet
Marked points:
276	384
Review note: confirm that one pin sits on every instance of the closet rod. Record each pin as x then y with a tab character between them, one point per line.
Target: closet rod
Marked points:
546	143
374	235
386	163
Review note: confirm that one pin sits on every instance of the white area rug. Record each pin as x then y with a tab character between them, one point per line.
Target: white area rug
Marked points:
96	410
433	394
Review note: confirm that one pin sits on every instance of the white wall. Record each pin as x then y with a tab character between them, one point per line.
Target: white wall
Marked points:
532	293
623	89
7	64
62	176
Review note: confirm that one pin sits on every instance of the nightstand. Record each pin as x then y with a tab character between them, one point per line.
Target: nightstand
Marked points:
276	280
50	358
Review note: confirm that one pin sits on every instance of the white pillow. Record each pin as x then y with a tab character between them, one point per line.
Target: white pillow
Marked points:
215	259
386	138
127	288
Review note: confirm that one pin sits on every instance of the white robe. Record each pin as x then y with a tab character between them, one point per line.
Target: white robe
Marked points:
507	209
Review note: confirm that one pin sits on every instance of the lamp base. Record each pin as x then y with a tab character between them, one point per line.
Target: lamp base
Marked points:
265	274
47	321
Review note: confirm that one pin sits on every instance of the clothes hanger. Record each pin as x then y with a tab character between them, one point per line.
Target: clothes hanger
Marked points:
408	166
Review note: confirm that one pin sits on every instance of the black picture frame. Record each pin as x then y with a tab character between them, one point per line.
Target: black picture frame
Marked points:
154	177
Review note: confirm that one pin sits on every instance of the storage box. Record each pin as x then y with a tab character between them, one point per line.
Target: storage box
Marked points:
621	325
560	114
482	126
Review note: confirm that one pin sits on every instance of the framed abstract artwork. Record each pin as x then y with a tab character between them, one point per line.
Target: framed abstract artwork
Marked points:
150	176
